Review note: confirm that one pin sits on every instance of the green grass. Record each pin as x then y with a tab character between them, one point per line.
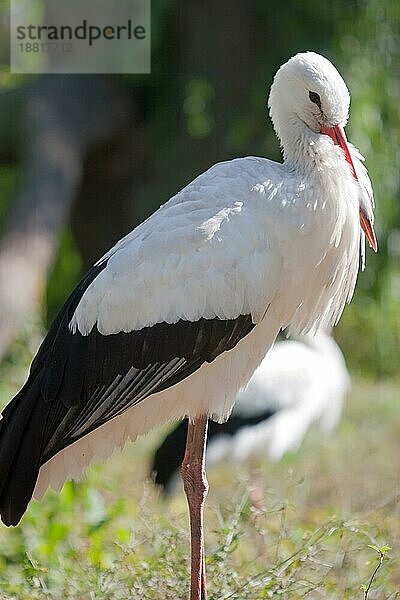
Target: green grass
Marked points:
308	527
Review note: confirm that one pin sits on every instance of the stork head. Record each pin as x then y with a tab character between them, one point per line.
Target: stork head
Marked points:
309	88
309	98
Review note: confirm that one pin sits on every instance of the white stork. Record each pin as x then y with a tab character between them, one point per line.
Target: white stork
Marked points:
300	382
176	317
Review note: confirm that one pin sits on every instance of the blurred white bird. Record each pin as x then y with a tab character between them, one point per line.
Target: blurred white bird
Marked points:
299	382
175	318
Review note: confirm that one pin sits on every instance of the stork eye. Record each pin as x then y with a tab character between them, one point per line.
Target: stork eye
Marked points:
314	97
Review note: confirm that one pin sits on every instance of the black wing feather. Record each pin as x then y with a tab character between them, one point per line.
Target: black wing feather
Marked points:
143	362
78	383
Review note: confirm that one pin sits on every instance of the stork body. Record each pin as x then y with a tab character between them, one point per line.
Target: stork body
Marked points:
192	284
176	317
299	383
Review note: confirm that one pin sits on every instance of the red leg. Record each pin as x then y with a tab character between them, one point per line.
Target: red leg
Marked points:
196	488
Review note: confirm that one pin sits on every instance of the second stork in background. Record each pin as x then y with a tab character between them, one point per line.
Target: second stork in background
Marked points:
300	382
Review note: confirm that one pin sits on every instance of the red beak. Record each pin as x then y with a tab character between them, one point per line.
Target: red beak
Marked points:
338	136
